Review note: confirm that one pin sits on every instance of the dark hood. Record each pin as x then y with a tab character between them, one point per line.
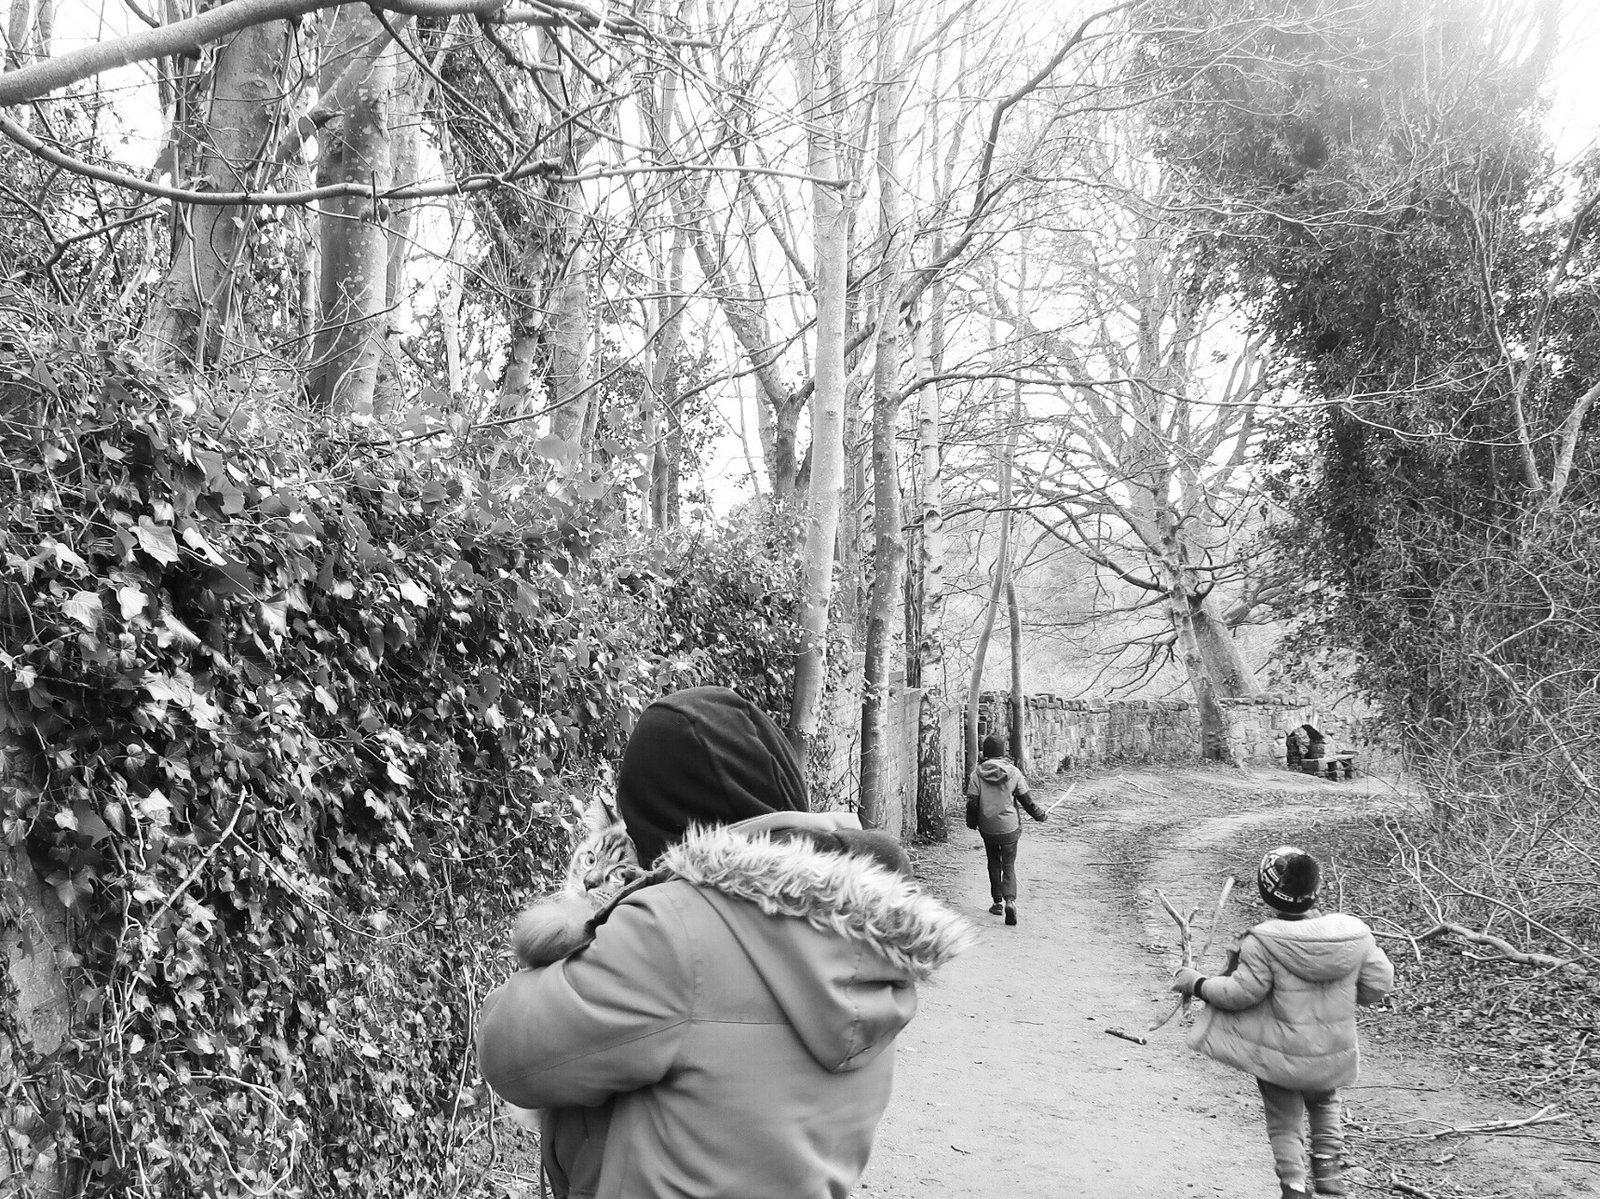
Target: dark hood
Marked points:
705	756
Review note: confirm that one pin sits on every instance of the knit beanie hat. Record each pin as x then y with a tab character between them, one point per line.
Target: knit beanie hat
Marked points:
993	747
704	755
1288	880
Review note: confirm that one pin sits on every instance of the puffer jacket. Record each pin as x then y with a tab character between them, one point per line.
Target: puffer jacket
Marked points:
1287	1012
1000	787
738	1019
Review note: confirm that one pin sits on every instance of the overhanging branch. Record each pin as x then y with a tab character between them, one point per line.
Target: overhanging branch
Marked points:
185	37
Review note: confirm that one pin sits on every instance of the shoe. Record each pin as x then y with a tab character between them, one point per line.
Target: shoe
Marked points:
1011	913
996	908
1289	1192
1327	1175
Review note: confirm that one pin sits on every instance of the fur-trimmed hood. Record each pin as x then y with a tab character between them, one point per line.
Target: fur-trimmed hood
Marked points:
844	968
851	896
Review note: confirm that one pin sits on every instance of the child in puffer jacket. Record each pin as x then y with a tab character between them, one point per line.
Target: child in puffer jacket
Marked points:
995	790
1286	1013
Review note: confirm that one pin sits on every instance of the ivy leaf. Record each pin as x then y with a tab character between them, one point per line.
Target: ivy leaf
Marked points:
554	449
64	555
230	578
156	540
410	591
90	824
196	540
156	806
274	613
85	608
131	600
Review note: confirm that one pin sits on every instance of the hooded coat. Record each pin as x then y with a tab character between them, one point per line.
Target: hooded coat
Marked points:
1000	787
737	1018
1287	1011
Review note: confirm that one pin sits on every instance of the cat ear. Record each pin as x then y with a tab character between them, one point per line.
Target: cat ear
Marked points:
600	815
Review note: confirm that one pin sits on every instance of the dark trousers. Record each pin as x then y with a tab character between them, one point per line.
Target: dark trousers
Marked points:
1001	850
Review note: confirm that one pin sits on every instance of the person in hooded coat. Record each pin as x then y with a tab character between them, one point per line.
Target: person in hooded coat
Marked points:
995	792
1286	1013
728	1033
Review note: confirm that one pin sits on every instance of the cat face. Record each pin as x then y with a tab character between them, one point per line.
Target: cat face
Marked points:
605	860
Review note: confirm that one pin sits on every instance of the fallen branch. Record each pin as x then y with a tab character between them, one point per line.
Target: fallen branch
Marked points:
1543	1116
1405	1188
1506	950
1122	778
1127	1036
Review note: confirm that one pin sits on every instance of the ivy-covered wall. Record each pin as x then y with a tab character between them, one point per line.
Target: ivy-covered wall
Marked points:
296	723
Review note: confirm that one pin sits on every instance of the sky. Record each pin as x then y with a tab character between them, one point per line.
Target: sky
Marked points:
1575	85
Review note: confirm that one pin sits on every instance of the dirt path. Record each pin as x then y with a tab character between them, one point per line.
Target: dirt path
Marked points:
1009	1085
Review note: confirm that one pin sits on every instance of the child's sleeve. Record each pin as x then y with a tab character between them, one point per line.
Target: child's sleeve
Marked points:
1376	979
1249	983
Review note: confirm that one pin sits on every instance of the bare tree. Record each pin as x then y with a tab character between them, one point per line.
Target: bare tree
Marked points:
815	38
888	553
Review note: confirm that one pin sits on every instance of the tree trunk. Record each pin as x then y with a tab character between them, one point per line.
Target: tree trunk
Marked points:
198	301
930	644
664	382
405	122
19	33
1019	696
888	546
1002	566
1179	594
353	291
1213	720
1219	652
831	241
570	392
783	459
450	302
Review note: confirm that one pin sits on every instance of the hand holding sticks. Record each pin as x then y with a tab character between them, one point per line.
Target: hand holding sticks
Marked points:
1190	959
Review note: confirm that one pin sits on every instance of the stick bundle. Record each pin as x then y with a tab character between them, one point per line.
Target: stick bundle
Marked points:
1191	959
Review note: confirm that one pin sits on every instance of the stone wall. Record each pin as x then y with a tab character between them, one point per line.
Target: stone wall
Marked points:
1062	733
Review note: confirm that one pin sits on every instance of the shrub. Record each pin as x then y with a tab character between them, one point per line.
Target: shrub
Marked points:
308	715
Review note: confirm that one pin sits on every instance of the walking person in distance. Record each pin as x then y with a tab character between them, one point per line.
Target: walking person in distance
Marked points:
996	794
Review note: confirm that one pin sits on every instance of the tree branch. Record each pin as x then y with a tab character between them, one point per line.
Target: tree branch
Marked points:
184	37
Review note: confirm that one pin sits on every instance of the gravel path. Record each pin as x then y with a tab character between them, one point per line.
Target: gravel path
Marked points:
1009	1087
1009	1084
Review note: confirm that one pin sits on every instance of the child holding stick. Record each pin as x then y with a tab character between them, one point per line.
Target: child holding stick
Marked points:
1286	1013
995	791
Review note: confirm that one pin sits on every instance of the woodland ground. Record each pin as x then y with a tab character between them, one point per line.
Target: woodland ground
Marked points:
1009	1085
